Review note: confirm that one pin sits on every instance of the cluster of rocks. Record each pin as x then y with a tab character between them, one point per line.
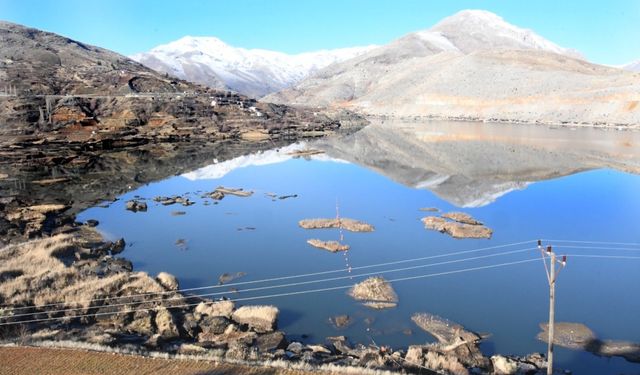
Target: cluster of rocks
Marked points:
136	206
457	225
456	351
337	223
135	311
220	192
176	199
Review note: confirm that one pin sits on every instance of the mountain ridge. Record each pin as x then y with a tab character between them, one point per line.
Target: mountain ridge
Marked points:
253	72
474	66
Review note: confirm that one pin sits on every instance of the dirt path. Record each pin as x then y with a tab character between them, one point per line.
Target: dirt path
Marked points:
47	361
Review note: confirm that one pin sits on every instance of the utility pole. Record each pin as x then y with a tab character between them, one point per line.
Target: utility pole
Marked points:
552	275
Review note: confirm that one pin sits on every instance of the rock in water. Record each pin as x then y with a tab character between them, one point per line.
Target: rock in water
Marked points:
228	277
332	246
461	217
344	223
445	331
580	337
456	229
375	292
261	318
340	321
568	335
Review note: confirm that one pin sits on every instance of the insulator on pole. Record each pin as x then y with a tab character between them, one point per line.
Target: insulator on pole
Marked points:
549	249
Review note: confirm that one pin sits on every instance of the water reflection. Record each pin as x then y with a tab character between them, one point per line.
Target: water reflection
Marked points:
473	164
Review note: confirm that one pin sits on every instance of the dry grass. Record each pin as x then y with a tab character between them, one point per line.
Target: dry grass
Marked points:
46	271
97	359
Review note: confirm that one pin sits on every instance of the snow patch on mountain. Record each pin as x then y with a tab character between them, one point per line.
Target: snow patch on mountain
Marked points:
254	72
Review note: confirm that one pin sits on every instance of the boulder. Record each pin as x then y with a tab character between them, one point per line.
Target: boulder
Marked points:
142	323
219	308
503	365
447	363
190	325
295	347
375	292
414	356
91	223
213	325
168	281
118	246
259	318
136	206
166	324
270	342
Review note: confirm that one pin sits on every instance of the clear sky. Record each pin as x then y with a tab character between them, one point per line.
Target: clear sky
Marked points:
605	31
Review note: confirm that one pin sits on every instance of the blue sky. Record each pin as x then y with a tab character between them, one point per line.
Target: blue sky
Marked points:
606	32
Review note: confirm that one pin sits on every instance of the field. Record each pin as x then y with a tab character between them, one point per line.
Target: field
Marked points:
47	361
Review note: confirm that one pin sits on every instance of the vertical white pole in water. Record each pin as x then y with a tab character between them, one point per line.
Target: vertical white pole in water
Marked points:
552	302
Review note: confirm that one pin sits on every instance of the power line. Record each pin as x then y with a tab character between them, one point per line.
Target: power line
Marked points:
601	256
277	286
278	278
595	242
277	295
597	248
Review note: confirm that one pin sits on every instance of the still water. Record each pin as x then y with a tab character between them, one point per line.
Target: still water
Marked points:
558	184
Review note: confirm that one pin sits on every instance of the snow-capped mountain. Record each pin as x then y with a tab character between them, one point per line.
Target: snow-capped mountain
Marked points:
479	30
473	65
253	72
632	66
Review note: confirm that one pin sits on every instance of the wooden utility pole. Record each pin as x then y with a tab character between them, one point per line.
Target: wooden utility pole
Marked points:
552	274
552	306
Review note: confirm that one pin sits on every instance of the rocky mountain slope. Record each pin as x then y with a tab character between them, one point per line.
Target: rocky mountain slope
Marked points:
474	65
632	66
254	72
64	93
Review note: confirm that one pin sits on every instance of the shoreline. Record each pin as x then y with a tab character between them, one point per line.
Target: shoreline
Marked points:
75	248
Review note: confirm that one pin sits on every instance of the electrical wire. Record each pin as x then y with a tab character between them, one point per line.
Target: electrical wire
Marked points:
180	298
280	278
274	295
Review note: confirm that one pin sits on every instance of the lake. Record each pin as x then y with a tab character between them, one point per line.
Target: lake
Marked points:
526	182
